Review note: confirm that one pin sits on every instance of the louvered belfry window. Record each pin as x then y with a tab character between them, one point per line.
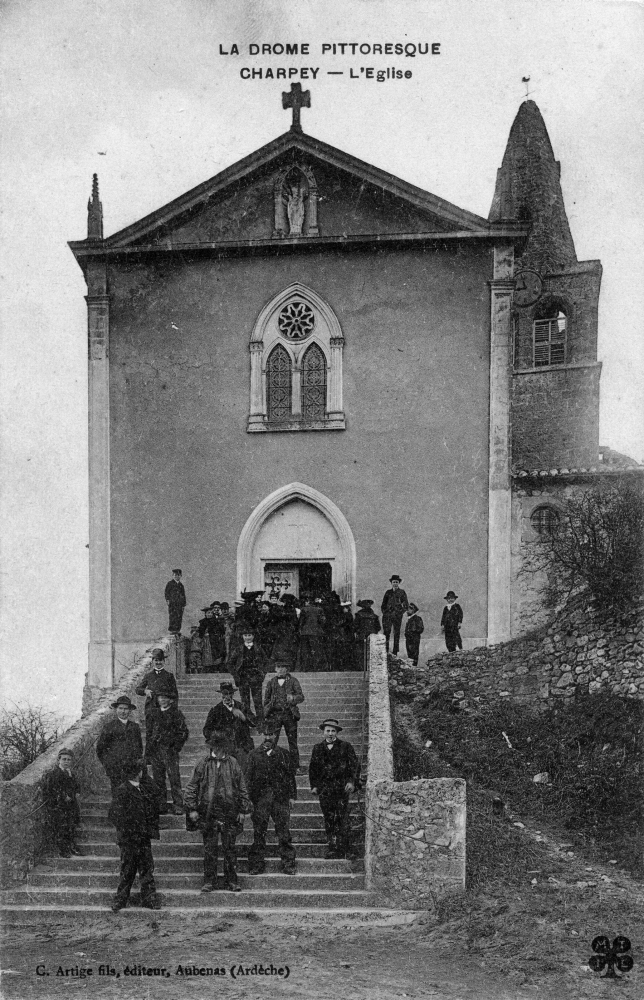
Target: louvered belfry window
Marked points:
314	384
278	384
550	340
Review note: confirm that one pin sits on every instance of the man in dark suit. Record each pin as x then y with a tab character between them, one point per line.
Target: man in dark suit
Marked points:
282	696
271	787
135	814
157	679
365	623
394	605
248	665
451	622
120	742
229	717
175	598
168	735
60	794
414	628
333	773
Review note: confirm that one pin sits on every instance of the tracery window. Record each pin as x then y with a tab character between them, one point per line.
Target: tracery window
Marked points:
314	384
296	349
279	382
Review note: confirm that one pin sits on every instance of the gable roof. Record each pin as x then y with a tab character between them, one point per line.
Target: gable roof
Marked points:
452	220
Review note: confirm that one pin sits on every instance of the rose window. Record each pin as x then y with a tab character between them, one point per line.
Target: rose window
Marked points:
296	321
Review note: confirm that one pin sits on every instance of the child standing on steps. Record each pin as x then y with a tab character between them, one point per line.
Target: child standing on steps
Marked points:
451	622
414	628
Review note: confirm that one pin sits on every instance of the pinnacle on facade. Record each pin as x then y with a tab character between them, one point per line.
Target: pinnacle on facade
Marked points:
94	213
528	190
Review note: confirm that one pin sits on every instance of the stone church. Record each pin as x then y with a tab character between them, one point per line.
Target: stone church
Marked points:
307	369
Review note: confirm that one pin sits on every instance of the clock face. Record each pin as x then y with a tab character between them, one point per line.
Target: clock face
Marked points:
528	288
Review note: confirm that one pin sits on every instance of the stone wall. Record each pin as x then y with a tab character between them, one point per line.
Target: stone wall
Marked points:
582	650
25	830
415	830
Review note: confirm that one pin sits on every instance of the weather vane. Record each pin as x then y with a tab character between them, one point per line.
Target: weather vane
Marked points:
526	80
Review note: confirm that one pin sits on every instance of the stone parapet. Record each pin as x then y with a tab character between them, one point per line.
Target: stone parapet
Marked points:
25	830
415	830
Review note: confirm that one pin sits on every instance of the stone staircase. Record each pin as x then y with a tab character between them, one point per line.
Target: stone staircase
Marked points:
326	886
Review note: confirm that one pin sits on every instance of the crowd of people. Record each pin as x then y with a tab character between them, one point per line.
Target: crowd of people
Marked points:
237	779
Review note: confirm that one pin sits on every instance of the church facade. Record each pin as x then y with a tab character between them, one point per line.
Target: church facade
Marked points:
311	371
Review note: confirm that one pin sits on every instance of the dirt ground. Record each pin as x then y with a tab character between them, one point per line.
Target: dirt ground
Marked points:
356	963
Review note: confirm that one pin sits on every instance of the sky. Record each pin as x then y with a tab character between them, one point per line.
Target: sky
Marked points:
142	94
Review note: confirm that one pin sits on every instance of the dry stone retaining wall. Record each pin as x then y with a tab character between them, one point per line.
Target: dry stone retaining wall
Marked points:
583	650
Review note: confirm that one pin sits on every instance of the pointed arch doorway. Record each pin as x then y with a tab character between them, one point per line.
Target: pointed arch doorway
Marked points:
299	534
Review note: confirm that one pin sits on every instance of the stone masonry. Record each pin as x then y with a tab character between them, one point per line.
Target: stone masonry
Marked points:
582	650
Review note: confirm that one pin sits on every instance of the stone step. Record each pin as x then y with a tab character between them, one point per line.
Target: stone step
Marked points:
103	801
186	865
299	820
20	916
192	898
303	835
99	807
274	881
99	844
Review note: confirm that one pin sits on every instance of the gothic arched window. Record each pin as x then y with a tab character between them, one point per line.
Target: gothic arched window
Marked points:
279	384
296	352
314	384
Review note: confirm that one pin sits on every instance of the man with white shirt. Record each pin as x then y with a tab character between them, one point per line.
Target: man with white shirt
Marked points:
229	717
120	742
282	696
333	773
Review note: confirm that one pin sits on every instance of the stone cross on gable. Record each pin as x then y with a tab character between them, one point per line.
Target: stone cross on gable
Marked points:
296	99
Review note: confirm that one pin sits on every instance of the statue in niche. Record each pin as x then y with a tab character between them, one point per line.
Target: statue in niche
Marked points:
296	194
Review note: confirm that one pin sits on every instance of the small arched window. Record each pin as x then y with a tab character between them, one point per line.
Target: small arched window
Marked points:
549	335
544	520
279	384
314	384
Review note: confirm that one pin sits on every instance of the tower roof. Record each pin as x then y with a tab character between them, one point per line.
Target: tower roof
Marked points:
528	190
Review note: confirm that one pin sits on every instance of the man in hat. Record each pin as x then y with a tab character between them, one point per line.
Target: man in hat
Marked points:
333	773
60	794
272	790
157	679
414	628
120	742
282	696
135	814
175	598
229	717
248	665
168	735
217	635
217	801
451	622
365	623
394	605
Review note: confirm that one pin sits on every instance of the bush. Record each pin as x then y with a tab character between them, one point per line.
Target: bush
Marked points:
600	542
26	731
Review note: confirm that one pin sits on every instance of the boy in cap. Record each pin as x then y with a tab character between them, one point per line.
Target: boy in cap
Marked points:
282	696
333	774
168	734
60	793
451	622
217	801
135	814
365	623
229	717
394	605
120	742
154	681
175	598
248	665
414	628
271	786
196	651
